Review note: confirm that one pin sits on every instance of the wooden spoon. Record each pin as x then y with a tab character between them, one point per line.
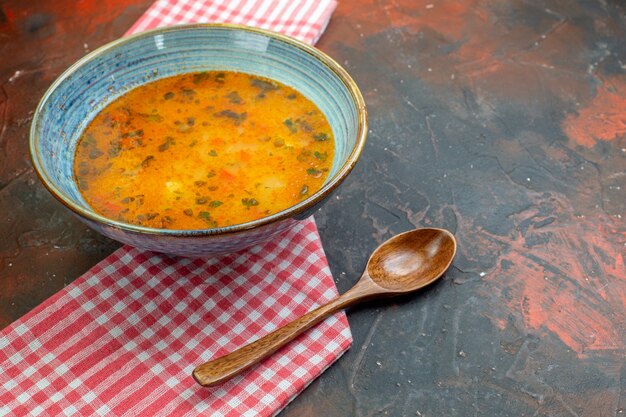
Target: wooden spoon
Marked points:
404	263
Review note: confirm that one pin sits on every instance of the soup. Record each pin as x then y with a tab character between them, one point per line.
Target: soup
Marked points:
203	150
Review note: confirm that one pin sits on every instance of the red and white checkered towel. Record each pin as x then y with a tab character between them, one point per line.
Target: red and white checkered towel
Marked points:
301	19
124	338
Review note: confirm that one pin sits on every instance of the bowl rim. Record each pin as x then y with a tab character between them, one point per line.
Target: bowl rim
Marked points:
289	212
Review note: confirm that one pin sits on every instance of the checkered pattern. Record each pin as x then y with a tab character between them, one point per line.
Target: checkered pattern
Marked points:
124	338
301	19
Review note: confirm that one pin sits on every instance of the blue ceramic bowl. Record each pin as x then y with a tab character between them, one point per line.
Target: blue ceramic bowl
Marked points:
100	77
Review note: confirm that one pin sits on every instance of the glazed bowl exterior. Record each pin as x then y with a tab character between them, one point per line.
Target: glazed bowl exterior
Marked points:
79	94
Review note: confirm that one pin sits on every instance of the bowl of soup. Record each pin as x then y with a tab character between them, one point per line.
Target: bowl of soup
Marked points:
198	140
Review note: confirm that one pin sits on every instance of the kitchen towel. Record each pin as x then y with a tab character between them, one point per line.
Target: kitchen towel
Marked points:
122	339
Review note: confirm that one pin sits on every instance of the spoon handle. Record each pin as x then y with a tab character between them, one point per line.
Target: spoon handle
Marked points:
225	367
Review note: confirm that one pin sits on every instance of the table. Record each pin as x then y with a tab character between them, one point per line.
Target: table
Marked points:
503	121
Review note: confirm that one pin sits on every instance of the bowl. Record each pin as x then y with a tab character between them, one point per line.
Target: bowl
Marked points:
84	89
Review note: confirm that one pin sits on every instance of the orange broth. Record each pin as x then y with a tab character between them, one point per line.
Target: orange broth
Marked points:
203	150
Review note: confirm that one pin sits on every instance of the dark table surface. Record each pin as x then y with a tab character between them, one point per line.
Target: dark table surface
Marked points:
502	120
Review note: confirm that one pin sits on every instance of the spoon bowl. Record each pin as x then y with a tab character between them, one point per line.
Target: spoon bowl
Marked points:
412	260
405	263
